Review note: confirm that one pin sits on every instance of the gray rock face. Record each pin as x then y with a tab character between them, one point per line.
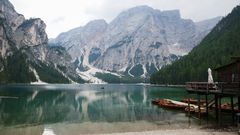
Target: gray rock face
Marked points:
31	33
29	39
141	37
9	21
8	12
4	42
16	32
75	40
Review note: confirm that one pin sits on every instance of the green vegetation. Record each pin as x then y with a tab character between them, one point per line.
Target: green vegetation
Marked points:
110	78
16	69
49	74
77	79
215	50
137	70
151	68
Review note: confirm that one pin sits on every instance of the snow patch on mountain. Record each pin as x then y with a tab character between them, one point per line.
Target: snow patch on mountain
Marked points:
176	49
144	71
37	77
90	76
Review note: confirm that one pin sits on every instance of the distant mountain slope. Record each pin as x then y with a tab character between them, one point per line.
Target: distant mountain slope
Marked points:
214	50
138	42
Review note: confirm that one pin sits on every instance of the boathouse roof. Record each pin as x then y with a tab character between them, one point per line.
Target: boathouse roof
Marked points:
236	59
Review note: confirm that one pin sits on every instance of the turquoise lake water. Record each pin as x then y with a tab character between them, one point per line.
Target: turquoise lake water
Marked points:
87	109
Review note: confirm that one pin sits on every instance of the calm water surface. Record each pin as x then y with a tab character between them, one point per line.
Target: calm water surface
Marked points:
81	109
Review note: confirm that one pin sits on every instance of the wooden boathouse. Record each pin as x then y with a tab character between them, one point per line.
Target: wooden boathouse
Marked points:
227	85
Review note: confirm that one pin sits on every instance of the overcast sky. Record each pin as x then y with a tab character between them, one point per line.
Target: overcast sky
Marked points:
63	15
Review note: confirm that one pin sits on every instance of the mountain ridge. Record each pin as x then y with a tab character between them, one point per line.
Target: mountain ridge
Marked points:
140	37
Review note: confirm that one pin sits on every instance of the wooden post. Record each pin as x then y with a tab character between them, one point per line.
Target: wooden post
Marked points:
238	107
188	106
199	107
206	98
239	103
216	107
220	113
232	107
189	113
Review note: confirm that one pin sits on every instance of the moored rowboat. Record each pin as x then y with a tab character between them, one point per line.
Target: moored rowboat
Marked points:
172	104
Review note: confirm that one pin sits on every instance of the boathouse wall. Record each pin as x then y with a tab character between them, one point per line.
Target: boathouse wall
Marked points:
229	73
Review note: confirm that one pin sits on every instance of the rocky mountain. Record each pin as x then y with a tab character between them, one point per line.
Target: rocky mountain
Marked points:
25	55
215	50
138	42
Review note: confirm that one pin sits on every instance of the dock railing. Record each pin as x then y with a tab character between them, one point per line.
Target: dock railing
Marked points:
201	87
217	87
229	87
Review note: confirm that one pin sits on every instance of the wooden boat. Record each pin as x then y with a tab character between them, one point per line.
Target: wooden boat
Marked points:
156	101
193	101
171	104
226	107
165	103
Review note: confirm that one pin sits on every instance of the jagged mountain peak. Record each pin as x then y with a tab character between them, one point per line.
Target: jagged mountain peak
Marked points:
95	25
137	42
172	13
36	21
31	33
137	13
143	17
139	9
147	10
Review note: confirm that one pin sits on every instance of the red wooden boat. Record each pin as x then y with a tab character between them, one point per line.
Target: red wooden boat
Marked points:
156	101
170	104
227	108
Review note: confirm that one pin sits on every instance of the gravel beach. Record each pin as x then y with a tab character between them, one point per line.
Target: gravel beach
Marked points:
178	132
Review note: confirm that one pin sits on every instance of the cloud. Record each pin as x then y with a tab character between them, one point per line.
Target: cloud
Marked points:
58	20
62	15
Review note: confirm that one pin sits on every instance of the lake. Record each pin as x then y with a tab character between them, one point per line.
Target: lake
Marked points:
79	109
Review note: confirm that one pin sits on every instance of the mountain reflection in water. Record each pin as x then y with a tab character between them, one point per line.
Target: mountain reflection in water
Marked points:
75	105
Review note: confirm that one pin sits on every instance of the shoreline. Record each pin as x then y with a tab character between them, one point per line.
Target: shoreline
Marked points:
144	84
166	85
193	131
76	129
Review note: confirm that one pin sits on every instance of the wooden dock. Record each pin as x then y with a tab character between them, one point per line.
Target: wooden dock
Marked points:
217	91
223	88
